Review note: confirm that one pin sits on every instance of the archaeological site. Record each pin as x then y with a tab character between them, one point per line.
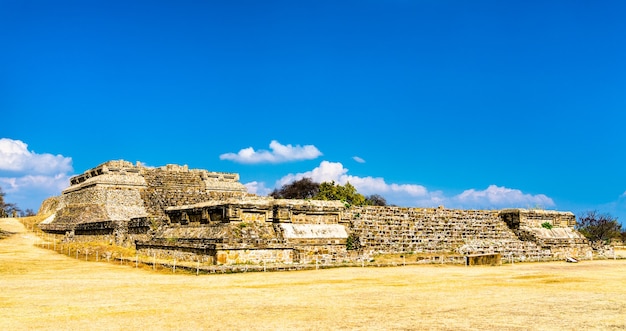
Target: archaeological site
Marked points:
192	214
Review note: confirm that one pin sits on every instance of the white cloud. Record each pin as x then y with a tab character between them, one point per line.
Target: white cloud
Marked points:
53	184
335	171
326	172
15	157
257	188
358	159
27	177
501	197
412	195
145	165
279	153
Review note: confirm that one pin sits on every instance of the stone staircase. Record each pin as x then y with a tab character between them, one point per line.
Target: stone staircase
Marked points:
443	231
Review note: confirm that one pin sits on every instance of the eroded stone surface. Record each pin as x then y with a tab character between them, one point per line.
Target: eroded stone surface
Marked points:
195	214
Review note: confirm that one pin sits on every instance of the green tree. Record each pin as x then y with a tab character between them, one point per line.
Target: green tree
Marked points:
304	188
2	211
346	193
599	227
7	209
375	200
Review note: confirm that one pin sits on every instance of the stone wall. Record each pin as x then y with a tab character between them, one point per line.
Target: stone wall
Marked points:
49	206
535	218
200	215
254	256
452	231
551	230
255	229
178	186
483	259
124	203
327	232
426	230
109	192
313	243
121	191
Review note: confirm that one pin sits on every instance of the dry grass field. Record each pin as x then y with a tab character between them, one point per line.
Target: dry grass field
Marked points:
44	290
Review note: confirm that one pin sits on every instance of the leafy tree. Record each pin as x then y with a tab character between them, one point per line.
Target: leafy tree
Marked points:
353	242
375	200
599	227
346	193
7	209
304	188
2	211
328	191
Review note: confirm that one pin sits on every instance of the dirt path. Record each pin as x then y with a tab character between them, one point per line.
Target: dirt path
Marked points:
11	225
43	290
19	245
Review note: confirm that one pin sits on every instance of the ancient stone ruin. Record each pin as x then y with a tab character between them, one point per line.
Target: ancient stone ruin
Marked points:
192	214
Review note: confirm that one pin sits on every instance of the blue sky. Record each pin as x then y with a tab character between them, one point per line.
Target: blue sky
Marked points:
466	104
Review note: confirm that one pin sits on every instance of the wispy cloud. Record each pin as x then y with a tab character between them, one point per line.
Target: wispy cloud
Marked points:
358	159
616	208
278	153
28	177
413	195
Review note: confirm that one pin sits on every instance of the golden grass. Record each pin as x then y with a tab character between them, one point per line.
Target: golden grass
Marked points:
44	290
620	252
30	222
